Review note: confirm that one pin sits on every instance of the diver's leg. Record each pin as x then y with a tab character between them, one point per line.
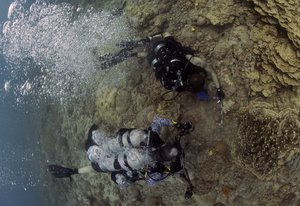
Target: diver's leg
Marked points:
132	44
61	172
89	142
86	170
127	47
110	60
142	54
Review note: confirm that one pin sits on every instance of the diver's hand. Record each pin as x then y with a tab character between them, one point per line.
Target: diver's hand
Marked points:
184	128
220	95
183	125
188	194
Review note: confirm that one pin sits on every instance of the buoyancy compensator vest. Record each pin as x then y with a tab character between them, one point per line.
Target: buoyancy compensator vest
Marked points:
169	63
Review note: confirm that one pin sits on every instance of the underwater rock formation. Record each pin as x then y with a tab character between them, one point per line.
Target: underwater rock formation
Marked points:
284	13
142	14
124	102
279	63
277	43
267	138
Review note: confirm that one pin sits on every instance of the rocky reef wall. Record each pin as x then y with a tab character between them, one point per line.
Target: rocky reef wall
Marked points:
253	46
277	38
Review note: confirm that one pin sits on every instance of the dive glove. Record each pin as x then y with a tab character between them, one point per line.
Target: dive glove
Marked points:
184	127
220	95
188	193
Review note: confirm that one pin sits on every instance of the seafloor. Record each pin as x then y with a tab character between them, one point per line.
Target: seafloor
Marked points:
253	46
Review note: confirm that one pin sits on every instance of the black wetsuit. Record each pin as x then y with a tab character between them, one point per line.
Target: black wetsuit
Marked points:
170	64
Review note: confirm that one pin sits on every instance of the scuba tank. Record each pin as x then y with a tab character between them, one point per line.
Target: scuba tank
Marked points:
169	65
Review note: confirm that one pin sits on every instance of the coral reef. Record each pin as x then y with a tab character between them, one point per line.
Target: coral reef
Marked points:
120	103
277	39
285	13
279	63
267	138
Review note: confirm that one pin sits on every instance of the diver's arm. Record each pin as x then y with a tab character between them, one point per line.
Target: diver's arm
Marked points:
59	171
213	76
166	34
159	35
159	122
142	54
202	63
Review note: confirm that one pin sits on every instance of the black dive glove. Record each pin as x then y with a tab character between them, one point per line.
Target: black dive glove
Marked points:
61	172
220	95
184	128
188	193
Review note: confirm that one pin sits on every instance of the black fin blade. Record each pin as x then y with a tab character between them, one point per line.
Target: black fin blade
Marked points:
61	172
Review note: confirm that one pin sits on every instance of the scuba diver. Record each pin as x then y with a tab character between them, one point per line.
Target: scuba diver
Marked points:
174	65
133	155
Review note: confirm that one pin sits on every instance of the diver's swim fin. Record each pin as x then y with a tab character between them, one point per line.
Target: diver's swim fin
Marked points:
89	142
61	172
110	60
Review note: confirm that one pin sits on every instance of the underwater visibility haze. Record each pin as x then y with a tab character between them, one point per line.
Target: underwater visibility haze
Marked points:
52	89
48	52
20	167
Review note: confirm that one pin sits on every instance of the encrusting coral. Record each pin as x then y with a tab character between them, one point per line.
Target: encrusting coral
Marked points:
277	43
285	13
266	138
279	61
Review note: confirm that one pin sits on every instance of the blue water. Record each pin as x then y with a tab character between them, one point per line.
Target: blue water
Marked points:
47	58
21	176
